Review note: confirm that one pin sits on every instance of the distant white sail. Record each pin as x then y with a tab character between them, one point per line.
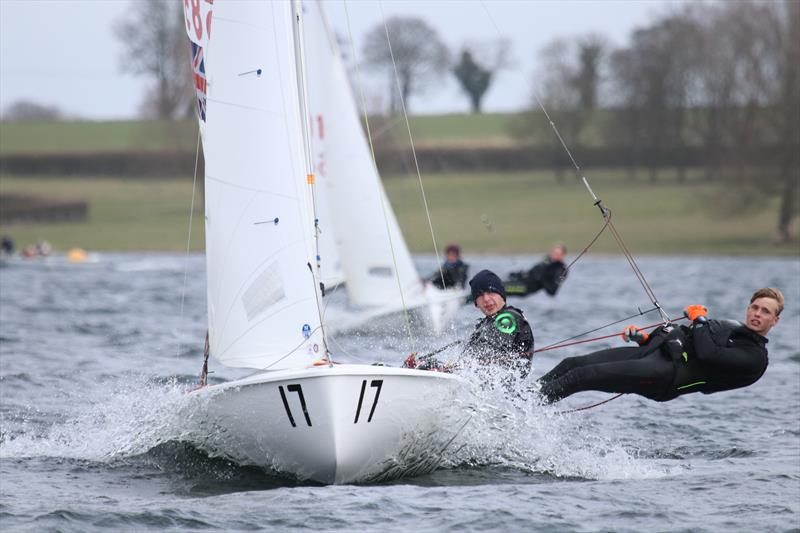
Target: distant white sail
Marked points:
262	297
352	185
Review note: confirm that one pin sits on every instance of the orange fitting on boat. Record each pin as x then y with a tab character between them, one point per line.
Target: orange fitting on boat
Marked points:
310	179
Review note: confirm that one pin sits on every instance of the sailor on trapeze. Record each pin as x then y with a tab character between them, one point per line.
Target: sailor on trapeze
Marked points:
708	356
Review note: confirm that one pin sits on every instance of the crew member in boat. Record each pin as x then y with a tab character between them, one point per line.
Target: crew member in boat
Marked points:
709	356
502	337
548	274
453	272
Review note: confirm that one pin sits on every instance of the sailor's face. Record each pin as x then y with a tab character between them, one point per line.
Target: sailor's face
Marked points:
557	253
762	314
489	303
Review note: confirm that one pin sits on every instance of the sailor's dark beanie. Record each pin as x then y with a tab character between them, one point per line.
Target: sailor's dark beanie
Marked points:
486	281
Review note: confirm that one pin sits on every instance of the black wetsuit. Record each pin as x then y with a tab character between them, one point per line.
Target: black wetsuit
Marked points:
547	275
708	357
504	338
454	274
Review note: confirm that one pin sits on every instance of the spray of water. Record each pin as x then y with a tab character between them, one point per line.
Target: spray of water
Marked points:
511	428
117	419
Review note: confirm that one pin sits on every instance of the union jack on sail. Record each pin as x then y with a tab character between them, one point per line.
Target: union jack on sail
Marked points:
199	77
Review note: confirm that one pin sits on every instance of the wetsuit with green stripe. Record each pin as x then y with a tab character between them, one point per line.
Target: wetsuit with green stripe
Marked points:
709	357
504	338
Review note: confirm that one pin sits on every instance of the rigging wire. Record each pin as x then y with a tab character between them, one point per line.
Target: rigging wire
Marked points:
411	142
564	344
189	236
406	317
558	344
603	210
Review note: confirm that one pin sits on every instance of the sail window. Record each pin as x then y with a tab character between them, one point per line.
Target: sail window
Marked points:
265	291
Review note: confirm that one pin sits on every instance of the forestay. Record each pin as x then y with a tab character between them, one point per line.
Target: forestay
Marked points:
262	295
373	253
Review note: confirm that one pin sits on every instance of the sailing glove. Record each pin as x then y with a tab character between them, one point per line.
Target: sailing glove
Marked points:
695	313
632	333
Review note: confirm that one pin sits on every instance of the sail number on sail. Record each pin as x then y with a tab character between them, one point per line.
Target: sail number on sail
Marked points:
377	384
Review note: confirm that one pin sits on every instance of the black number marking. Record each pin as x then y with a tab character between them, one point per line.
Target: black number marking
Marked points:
299	390
377	384
360	400
286	406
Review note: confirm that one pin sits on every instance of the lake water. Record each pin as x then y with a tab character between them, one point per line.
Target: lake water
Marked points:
95	360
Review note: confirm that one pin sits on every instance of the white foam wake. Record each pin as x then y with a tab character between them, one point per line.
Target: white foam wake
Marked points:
118	419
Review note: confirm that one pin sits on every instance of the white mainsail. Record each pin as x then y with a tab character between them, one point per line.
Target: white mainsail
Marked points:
262	294
373	253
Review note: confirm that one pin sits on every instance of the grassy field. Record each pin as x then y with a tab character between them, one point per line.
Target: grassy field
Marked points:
93	137
134	136
486	129
526	212
510	213
124	214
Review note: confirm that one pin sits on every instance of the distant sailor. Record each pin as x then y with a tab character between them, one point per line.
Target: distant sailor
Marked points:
549	274
453	272
7	245
710	356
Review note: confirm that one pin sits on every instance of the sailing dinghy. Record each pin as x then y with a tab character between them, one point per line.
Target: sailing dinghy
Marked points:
299	414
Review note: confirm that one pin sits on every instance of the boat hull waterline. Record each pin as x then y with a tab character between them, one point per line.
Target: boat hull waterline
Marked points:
334	424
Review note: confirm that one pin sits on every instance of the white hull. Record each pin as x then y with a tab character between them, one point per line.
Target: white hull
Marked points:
340	424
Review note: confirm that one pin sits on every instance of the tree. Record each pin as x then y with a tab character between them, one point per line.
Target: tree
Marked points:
156	46
24	110
654	79
567	83
419	56
474	79
479	63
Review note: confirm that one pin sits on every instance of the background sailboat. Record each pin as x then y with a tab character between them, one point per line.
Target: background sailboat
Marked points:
299	414
378	269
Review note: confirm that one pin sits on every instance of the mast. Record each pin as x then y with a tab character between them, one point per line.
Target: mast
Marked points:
305	119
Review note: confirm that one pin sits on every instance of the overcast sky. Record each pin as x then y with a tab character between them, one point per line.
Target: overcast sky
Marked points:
64	52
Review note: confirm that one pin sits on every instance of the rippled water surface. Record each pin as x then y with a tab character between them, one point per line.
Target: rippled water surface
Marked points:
95	360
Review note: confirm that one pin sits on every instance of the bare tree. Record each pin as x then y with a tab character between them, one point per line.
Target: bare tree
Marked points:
761	106
567	83
417	56
156	46
654	78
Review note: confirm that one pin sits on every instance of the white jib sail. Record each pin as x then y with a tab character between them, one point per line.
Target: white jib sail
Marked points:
262	296
353	189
